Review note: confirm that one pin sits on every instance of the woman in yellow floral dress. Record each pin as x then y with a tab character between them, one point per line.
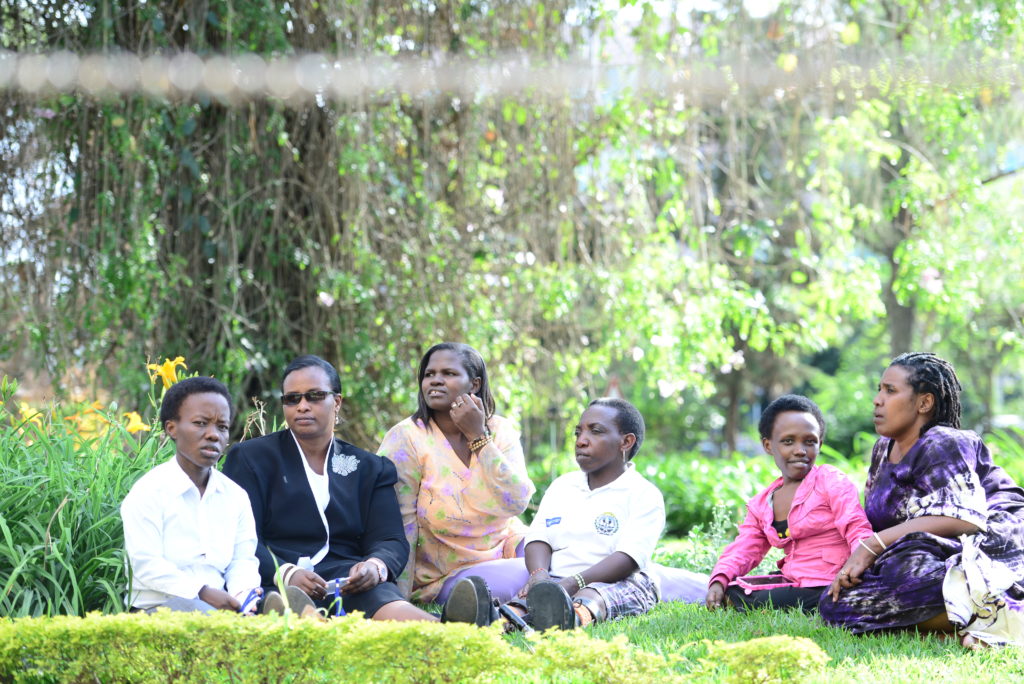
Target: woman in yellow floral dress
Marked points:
462	480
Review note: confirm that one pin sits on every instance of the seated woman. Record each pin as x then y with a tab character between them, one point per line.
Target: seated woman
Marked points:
949	553
589	547
322	503
812	512
188	530
461	480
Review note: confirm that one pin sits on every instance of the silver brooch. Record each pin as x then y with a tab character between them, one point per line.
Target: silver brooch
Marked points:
343	464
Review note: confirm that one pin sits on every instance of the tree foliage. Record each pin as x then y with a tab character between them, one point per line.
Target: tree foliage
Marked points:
726	243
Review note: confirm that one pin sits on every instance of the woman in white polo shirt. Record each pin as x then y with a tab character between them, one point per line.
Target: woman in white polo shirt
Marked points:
589	548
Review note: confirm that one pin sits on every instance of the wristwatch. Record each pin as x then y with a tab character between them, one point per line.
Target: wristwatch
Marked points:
382	569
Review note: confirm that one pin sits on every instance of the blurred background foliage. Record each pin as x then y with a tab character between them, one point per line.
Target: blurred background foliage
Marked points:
699	256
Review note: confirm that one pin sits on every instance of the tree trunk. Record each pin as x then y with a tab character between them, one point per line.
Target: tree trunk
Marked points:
899	318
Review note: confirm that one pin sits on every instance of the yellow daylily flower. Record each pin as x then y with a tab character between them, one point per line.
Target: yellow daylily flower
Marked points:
135	423
166	371
30	414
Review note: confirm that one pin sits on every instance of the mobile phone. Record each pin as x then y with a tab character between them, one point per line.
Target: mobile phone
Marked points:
766	579
335	585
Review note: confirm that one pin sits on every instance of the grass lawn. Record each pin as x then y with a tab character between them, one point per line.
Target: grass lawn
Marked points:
904	657
691	630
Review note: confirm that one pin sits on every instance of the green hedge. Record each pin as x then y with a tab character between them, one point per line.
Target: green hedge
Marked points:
188	647
222	647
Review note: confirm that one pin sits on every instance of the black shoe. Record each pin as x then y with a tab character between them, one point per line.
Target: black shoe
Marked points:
294	600
470	601
550	607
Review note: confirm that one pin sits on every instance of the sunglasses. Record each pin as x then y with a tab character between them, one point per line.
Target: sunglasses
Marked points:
312	396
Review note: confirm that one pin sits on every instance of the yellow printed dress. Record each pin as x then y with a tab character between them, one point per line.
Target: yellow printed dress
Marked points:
456	516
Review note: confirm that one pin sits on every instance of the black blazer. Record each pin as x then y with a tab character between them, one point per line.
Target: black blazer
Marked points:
362	514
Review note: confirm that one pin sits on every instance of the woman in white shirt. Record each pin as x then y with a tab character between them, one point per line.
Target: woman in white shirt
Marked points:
188	530
589	547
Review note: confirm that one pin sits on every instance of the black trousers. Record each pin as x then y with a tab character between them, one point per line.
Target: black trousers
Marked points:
804	598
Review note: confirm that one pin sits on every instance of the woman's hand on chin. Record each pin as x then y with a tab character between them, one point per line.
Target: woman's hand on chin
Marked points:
468	415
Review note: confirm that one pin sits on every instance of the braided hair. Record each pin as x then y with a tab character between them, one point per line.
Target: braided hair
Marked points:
929	373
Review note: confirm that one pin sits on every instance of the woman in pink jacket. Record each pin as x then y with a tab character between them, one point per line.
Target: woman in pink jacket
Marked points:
812	512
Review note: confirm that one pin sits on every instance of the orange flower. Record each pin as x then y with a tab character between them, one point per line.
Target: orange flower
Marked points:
94	410
166	371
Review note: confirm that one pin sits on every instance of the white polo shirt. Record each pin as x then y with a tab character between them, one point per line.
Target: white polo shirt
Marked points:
177	541
583	526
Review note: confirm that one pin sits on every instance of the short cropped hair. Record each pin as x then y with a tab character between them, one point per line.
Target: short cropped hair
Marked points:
176	394
789	402
311	361
627	420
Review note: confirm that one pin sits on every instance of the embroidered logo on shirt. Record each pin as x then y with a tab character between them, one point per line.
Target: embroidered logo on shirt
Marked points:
606	524
343	464
548	522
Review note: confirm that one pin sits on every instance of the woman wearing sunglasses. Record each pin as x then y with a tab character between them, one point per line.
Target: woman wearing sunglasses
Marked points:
324	509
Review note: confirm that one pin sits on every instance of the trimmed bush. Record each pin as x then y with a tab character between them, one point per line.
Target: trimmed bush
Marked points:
768	660
189	647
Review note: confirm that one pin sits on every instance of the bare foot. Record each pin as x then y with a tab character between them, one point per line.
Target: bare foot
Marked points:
973	644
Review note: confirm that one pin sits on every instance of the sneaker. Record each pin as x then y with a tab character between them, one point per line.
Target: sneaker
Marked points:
470	601
550	607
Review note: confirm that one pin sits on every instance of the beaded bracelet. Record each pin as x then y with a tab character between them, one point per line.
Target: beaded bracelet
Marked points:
480	442
579	580
536	571
286	571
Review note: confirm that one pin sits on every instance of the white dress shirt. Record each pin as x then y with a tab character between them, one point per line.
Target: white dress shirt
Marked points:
178	541
320	486
583	526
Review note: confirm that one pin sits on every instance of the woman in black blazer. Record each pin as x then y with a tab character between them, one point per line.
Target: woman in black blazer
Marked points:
322	503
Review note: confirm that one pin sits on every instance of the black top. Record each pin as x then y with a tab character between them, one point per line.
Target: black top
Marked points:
781	526
362	513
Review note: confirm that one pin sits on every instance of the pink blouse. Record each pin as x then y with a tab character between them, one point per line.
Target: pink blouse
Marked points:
825	522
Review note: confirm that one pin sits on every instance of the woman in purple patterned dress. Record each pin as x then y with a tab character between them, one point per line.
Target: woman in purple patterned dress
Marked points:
948	553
